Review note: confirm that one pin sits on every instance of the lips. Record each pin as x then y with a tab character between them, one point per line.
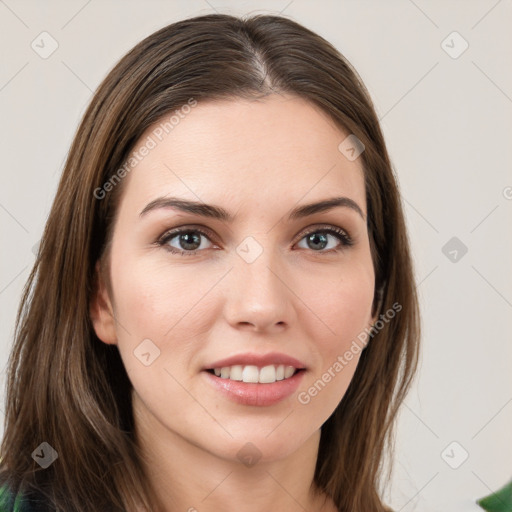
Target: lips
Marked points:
259	360
256	379
255	394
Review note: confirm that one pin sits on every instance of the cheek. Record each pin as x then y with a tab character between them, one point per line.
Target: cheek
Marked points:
349	311
340	317
154	308
144	301
344	306
151	297
169	306
342	303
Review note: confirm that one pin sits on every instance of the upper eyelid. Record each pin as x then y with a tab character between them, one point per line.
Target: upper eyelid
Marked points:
320	227
171	233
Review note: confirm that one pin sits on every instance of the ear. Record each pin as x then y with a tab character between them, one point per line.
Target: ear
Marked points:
100	309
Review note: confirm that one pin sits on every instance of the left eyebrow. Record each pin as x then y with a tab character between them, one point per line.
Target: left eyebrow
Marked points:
325	205
217	212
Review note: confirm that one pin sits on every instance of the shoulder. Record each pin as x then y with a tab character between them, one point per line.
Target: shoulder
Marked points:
10	502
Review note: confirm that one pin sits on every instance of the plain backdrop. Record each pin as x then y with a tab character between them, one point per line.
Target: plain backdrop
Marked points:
440	76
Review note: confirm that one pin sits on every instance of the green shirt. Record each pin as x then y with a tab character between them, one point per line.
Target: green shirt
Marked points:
19	503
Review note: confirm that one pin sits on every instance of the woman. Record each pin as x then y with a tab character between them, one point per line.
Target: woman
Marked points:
222	314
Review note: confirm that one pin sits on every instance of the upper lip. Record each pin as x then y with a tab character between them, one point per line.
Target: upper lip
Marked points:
260	360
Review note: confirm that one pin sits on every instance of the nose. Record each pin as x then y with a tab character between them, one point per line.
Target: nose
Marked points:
258	295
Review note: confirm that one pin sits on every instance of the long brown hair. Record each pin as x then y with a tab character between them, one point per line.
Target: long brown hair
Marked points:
67	388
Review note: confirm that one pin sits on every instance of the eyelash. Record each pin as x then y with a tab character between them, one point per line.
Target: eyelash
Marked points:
340	234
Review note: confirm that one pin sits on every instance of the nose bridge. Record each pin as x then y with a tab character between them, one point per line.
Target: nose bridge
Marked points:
256	264
257	292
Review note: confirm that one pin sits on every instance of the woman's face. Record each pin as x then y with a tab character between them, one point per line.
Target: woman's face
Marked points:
256	287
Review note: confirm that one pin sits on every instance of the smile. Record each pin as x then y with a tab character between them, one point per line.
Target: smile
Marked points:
254	374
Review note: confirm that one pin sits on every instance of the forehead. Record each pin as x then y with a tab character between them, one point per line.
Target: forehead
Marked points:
245	152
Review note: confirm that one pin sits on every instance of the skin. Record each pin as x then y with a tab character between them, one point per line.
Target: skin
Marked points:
258	160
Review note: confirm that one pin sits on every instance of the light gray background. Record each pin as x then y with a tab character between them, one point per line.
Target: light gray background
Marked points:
448	125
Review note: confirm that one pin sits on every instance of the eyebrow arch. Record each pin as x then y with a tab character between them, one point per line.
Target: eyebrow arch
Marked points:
217	212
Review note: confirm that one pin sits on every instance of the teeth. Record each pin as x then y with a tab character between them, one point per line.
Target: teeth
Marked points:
236	372
253	374
288	372
250	374
267	374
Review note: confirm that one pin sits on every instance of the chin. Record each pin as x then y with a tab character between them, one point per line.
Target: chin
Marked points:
252	445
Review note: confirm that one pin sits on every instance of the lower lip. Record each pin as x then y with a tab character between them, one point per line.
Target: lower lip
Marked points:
247	393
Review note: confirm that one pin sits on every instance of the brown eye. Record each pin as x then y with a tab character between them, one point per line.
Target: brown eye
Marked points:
184	241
